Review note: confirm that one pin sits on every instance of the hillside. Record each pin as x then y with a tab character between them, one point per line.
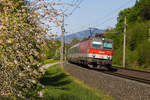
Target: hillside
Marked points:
138	25
82	34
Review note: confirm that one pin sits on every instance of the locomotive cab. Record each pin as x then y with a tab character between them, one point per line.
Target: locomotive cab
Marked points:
101	52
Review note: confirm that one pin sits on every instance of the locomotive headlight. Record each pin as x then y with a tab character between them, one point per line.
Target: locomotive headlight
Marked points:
108	57
93	55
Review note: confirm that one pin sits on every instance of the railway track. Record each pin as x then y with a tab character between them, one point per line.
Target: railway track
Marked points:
131	74
142	80
131	69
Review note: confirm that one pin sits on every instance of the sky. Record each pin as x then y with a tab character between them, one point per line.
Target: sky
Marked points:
100	14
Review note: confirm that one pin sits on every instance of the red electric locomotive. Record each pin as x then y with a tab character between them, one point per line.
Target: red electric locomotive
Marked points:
94	51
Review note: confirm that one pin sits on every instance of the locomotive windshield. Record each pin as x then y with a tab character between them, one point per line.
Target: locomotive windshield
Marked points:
102	45
108	45
97	45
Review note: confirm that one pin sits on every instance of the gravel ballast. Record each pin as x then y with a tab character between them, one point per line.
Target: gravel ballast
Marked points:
119	88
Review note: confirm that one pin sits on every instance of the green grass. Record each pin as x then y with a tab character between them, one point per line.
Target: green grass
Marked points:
50	61
134	68
59	85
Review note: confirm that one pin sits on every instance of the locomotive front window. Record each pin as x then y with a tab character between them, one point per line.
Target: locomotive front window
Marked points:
97	45
108	45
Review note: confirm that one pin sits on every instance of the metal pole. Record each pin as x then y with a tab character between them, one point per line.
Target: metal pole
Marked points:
124	43
62	41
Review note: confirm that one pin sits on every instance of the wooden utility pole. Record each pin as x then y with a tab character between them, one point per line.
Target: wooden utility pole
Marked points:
65	48
124	43
62	41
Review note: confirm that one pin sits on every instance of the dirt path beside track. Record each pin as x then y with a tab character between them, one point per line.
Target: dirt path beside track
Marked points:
50	64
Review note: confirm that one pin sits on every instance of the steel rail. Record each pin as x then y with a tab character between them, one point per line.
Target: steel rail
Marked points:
115	67
142	80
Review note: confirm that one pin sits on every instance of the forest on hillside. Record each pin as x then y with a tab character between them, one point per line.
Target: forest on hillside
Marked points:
138	36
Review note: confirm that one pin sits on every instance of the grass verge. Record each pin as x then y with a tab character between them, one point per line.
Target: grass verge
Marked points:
50	61
59	85
134	68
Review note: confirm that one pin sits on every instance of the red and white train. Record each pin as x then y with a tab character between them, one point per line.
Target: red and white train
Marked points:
94	51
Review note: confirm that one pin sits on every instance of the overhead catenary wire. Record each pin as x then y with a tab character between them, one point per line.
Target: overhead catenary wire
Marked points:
110	18
106	20
76	7
74	2
107	17
115	10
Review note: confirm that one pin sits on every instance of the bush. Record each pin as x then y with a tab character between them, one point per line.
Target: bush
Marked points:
143	54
